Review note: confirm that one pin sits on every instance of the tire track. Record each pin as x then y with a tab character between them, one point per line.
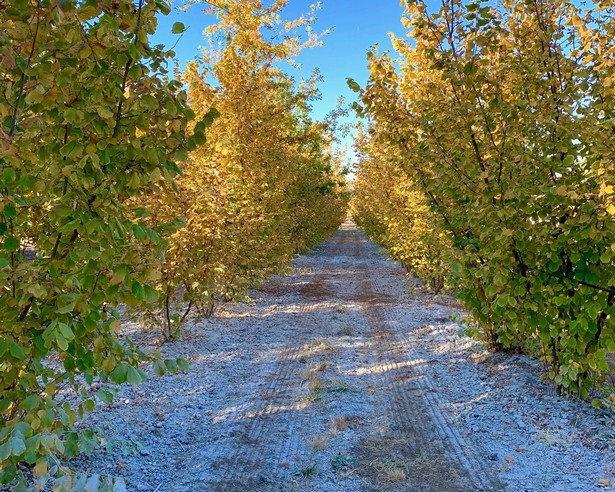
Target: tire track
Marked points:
232	467
429	439
243	465
255	427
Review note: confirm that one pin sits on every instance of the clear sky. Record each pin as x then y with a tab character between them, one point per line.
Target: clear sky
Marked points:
357	25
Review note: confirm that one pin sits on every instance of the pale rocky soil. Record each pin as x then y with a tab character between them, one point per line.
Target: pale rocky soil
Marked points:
337	378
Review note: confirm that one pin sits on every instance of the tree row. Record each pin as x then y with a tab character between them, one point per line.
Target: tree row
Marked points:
494	130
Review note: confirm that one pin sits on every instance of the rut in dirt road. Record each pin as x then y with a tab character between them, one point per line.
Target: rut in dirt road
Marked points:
339	402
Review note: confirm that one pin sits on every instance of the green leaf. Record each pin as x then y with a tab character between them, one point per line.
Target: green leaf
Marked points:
149	102
120	274
159	368
210	117
139	232
133	376
171	365
71	116
66	309
31	402
553	266
70	364
61	341
105	113
16	351
353	85
89	405
178	28
119	375
67	332
183	364
593	309
8	174
150	294
196	139
104	396
470	68
163	7
18	445
138	291
9	211
7	475
72	149
5	451
4	404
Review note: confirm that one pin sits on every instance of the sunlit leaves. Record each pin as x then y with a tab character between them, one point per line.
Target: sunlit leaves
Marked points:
393	212
260	183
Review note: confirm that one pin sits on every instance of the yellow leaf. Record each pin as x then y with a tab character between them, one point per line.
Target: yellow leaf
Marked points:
40	469
36	290
104	113
108	365
610	209
118	277
155	175
50	389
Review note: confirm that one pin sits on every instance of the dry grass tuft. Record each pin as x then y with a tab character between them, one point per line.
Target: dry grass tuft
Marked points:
319	442
324	346
310	372
338	386
316	385
340	309
395	472
308	471
389	459
338	424
318	348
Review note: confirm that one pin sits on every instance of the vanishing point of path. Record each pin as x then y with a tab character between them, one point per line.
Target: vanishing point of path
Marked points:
324	383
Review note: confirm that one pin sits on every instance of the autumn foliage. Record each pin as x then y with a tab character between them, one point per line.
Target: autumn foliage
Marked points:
393	211
264	185
502	117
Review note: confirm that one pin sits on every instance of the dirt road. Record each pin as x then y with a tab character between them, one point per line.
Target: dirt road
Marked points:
337	379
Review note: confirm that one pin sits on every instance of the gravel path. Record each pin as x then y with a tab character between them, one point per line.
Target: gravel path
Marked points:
337	379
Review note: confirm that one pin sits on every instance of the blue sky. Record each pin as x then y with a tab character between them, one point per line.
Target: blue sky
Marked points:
357	25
